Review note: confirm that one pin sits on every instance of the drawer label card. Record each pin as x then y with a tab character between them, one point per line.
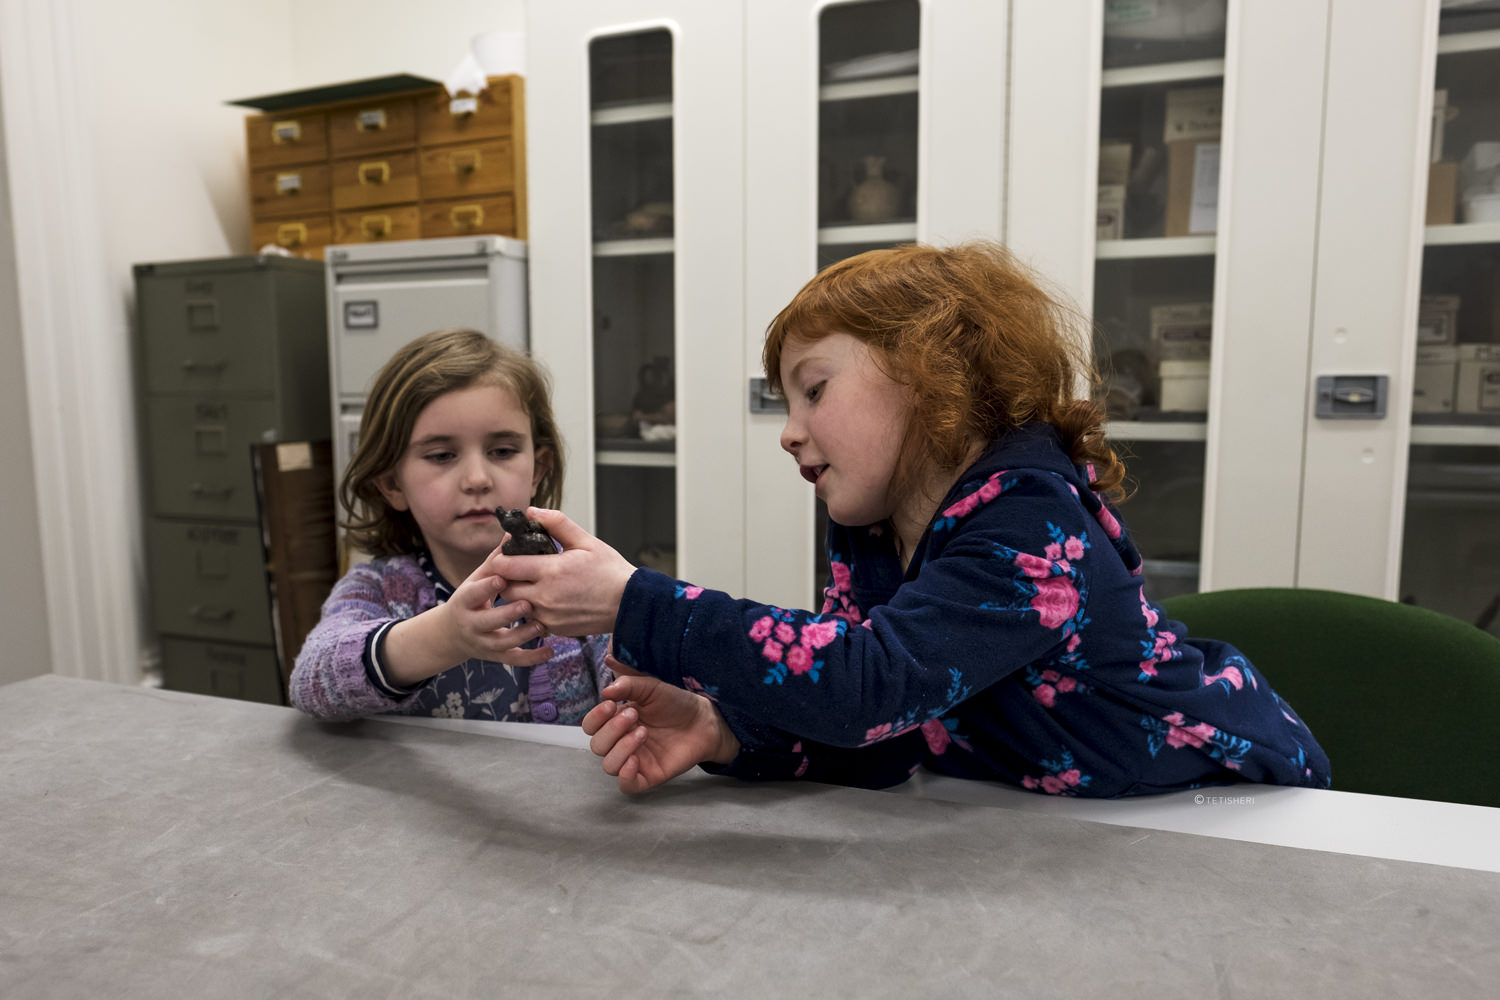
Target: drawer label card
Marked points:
363	314
463	105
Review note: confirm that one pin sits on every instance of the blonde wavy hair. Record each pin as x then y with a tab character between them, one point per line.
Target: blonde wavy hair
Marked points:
430	366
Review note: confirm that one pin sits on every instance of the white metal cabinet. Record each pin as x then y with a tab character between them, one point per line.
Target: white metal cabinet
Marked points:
1218	492
636	145
931	77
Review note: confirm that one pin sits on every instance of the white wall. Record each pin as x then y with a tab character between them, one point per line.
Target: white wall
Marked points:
122	150
23	618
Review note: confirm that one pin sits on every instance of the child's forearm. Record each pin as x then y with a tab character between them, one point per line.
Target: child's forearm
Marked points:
419	648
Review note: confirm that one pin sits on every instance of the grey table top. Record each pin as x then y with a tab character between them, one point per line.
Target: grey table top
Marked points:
158	844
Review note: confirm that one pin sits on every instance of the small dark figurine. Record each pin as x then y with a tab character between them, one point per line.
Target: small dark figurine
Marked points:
527	537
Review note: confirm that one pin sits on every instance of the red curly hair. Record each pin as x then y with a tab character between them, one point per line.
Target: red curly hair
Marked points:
975	336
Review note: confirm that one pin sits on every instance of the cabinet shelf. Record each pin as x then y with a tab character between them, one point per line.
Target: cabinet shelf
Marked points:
627	114
884	232
635	248
1156	430
1155	247
1455	434
1461	233
1172	72
636	458
1469	41
854	90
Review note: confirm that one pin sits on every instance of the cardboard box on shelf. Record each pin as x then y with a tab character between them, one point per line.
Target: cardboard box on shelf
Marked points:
1194	118
1442	193
1114	175
1182	332
1184	386
1437	320
1436	374
1478	382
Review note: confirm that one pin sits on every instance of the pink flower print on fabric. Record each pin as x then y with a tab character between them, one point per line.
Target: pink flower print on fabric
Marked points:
1065	777
1229	676
799	660
816	635
772	650
1045	693
1056	601
689	591
936	735
762	628
988	490
1107	521
838	596
785	634
1179	734
877	733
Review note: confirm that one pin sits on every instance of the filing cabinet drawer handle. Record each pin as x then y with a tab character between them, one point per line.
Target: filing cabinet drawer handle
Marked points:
375	226
466	216
211	492
464	161
208	367
207	614
291	234
375	172
285	132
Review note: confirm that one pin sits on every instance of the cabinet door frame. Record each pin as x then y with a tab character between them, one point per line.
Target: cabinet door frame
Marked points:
1264	247
964	53
1382	56
708	178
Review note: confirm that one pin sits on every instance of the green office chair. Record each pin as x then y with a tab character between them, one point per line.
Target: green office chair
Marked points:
1405	701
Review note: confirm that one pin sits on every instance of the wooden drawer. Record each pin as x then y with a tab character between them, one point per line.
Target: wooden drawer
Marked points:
303	235
487	214
364	182
372	127
208	580
286	192
379	225
276	140
228	671
442	119
200	454
471	169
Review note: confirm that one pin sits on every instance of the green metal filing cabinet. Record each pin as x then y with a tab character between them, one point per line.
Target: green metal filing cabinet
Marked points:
231	352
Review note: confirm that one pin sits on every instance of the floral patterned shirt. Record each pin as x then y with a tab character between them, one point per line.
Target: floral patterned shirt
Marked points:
338	674
1018	646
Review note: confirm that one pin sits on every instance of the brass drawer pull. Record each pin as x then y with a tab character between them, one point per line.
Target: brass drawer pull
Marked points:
291	234
285	132
211	492
465	161
207	614
466	216
375	226
368	172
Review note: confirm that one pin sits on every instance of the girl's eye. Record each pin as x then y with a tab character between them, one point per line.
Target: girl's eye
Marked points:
814	391
504	453
438	456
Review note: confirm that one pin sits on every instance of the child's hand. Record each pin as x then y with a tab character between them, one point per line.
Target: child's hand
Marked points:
576	591
483	630
658	734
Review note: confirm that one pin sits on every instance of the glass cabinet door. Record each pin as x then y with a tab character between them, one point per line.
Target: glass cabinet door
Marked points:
634	358
1161	119
1450	554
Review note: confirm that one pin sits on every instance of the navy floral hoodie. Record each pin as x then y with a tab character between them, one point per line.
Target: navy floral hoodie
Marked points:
1018	646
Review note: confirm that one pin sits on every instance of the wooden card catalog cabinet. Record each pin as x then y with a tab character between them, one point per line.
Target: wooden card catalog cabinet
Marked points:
393	158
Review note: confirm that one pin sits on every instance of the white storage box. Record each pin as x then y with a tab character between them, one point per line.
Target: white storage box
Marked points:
1436	375
1478	389
1182	332
1184	386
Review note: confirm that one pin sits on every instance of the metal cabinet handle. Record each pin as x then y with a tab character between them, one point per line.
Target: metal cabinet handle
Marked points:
211	492
217	365
204	613
374	172
466	216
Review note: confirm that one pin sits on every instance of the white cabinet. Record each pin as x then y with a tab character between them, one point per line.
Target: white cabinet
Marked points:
636	148
1264	180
